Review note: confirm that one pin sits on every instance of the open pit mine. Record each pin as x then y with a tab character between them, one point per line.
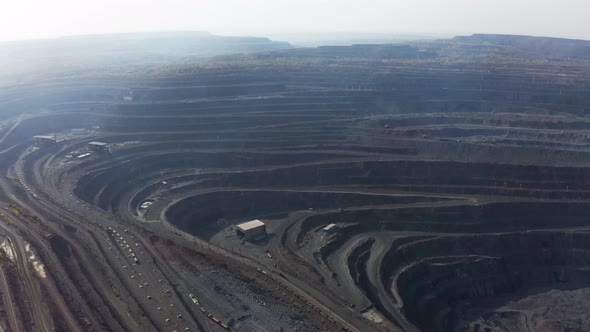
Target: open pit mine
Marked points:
432	186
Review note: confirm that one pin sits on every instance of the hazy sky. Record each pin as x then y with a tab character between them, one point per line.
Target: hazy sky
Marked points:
25	19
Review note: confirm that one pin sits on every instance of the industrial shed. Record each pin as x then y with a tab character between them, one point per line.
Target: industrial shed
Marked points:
98	146
331	228
252	230
42	139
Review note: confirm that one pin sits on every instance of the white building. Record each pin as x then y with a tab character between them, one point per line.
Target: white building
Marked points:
330	228
252	230
84	155
42	139
98	146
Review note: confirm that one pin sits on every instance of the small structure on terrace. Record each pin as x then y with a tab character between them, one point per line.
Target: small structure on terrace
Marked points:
331	228
84	155
44	139
99	146
252	230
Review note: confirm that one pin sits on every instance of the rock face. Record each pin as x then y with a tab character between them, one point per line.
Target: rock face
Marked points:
440	277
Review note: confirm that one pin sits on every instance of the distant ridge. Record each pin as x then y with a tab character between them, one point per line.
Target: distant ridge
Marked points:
533	47
153	44
505	38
